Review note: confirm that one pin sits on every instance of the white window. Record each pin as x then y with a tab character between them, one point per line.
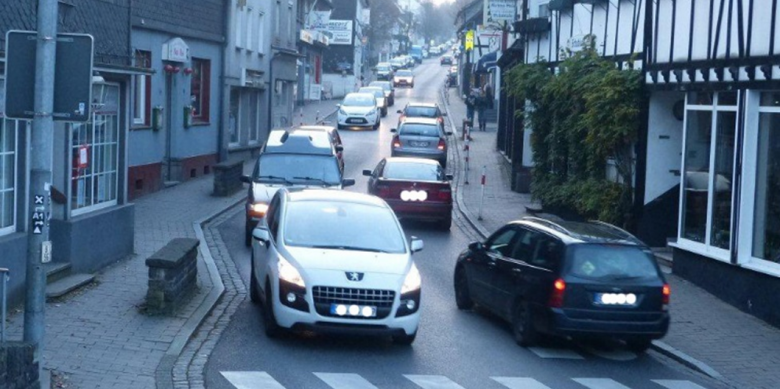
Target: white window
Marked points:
544	10
240	30
260	33
142	104
250	29
8	165
95	153
766	214
234	118
291	20
278	20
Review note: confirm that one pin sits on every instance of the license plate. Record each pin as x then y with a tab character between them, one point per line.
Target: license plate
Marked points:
626	299
418	144
354	120
352	310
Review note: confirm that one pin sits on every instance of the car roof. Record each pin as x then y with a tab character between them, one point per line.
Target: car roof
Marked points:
316	128
421	104
419	120
380	83
358	94
288	142
422	161
583	232
335	196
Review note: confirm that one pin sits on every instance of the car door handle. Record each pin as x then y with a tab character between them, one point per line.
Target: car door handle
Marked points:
491	264
517	270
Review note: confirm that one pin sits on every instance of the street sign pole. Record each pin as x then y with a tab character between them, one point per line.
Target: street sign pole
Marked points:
42	141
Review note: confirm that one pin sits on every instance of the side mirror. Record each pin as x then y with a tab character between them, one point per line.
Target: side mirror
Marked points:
448	133
347	182
417	244
367	172
393	130
476	246
400	111
444	114
449	177
339	149
261	234
246	179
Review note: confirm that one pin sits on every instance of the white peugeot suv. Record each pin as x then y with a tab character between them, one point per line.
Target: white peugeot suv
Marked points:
335	261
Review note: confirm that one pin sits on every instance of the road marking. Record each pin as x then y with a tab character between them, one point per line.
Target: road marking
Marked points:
677	384
560	353
615	355
345	381
600	383
432	381
520	383
251	380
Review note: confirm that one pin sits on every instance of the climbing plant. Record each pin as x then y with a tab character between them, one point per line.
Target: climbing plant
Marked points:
584	117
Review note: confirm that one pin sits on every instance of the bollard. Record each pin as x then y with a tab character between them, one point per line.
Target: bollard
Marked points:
317	118
300	112
466	170
4	276
466	134
483	181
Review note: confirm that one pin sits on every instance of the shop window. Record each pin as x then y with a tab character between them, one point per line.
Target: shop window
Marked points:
95	153
766	222
8	165
233	115
707	199
200	89
142	100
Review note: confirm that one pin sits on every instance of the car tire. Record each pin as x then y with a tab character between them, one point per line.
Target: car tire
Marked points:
639	346
522	326
404	340
446	223
254	294
384	112
272	329
462	295
376	125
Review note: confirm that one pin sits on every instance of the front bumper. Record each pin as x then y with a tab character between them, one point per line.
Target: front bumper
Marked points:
357	121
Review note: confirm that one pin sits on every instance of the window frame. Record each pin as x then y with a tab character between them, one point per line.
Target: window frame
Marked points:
201	114
14	189
142	99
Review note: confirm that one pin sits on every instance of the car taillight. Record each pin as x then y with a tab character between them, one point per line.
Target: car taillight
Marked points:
441	119
396	142
445	194
556	298
441	145
667	292
383	191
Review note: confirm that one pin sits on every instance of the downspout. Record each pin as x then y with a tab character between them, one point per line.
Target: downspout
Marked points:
222	148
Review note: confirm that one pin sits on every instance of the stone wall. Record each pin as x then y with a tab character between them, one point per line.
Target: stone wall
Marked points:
173	273
227	178
17	368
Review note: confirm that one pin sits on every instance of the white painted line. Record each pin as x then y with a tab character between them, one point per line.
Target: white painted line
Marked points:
600	383
560	353
678	384
432	381
251	380
520	383
345	381
615	355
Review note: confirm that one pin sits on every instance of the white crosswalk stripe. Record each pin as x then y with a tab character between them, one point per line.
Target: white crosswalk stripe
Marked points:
559	353
251	380
520	383
678	384
600	383
345	381
432	381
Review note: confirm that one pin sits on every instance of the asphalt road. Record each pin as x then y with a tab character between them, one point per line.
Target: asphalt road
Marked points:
453	349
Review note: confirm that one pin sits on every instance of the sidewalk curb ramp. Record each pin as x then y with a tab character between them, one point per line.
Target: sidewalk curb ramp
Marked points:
657	345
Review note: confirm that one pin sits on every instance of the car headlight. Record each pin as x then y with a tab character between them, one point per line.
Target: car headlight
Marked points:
372	111
342	112
289	273
258	208
413	281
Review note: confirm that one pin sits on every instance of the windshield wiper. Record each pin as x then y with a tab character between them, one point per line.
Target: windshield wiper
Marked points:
623	277
353	248
323	182
268	177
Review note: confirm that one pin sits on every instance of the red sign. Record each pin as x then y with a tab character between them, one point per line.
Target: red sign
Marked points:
83	157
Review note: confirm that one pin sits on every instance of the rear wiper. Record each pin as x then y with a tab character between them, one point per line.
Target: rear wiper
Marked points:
353	248
268	177
323	182
625	277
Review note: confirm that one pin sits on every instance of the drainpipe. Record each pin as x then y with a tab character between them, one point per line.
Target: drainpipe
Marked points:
222	132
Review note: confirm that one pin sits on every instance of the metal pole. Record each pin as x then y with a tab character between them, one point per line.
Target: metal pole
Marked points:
42	141
466	171
482	196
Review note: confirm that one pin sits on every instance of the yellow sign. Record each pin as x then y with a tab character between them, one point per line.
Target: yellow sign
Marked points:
469	45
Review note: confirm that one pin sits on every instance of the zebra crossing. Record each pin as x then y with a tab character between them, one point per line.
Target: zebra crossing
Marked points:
263	380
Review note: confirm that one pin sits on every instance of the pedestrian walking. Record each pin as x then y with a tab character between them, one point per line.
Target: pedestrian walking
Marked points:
471	102
482	106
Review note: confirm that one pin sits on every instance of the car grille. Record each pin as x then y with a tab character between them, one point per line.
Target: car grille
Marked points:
324	296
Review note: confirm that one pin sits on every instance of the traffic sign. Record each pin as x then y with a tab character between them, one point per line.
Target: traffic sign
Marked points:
72	76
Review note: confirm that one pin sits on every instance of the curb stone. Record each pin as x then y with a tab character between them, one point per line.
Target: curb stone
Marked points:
657	345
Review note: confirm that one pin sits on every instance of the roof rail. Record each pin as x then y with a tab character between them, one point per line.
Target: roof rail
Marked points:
616	228
549	224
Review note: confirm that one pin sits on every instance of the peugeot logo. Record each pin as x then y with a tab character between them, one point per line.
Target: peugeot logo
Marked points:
354	276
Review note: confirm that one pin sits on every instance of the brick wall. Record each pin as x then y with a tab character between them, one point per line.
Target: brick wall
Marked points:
144	179
173	273
227	178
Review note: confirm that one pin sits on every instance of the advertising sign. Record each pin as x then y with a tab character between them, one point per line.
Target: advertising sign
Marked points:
340	32
469	44
499	11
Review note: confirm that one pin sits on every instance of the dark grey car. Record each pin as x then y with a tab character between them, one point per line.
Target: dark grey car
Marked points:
423	138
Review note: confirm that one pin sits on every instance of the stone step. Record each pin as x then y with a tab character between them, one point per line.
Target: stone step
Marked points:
56	271
68	284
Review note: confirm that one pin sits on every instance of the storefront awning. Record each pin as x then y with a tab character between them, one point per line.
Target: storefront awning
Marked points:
487	62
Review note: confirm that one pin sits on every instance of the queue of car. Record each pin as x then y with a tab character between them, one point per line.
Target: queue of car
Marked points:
333	261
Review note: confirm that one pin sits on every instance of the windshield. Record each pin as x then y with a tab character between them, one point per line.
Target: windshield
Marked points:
383	68
341	224
413	171
419	130
289	166
362	100
376	91
611	262
426	112
404	73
